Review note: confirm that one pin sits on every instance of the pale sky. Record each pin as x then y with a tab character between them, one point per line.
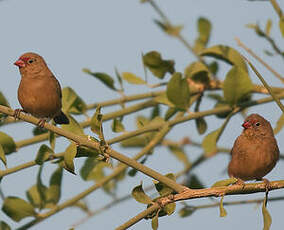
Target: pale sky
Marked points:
101	35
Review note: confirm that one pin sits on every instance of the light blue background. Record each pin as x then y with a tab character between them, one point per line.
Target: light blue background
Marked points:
101	35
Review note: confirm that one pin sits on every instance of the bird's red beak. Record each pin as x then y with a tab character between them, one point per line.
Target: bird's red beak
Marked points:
20	63
246	124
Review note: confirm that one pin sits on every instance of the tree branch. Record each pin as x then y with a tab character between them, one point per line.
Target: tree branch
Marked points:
207	192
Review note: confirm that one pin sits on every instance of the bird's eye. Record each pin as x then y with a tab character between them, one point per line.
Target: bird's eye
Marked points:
30	61
257	124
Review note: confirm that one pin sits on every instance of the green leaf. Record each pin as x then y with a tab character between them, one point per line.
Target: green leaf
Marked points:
117	126
174	30
198	72
103	77
71	102
17	208
225	53
221	104
180	154
41	188
52	138
279	124
93	169
163	99
87	168
209	143
73	126
170	208
160	24
117	74
155	222
268	27
170	112
54	190
186	211
34	197
38	131
69	156
223	212
168	28
237	85
96	121
201	125
213	67
267	220
204	30
132	78
256	29
43	154
7	143
139	141
3	156
155	111
87	152
3	100
139	195
281	25
225	182
159	67
193	182
162	189
4	226
178	91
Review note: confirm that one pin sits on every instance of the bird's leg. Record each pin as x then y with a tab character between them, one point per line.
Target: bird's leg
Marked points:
17	113
267	188
41	123
267	185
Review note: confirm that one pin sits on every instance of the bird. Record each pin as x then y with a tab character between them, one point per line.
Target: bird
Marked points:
39	92
255	152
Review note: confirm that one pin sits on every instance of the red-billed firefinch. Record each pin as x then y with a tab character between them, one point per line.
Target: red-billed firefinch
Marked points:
39	92
255	151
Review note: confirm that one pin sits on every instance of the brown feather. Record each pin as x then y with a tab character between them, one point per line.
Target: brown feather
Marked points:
255	152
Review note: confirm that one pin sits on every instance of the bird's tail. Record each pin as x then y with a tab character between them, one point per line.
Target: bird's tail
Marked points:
61	118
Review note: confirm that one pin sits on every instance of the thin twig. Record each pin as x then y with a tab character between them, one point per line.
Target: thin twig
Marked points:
259	59
276	8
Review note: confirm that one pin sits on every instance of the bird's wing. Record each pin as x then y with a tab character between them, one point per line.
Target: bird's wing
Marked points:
58	87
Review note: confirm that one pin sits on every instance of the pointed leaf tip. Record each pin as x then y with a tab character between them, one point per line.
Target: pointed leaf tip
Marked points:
132	78
139	195
69	156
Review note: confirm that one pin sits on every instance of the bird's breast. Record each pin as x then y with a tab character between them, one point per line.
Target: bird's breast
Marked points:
39	97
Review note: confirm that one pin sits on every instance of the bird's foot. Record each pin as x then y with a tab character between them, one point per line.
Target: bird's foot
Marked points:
41	123
17	113
240	182
267	184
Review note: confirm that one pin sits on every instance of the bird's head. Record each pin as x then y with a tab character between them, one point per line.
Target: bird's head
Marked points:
256	125
30	63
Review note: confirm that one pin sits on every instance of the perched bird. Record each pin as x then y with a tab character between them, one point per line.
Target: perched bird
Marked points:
255	151
39	92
